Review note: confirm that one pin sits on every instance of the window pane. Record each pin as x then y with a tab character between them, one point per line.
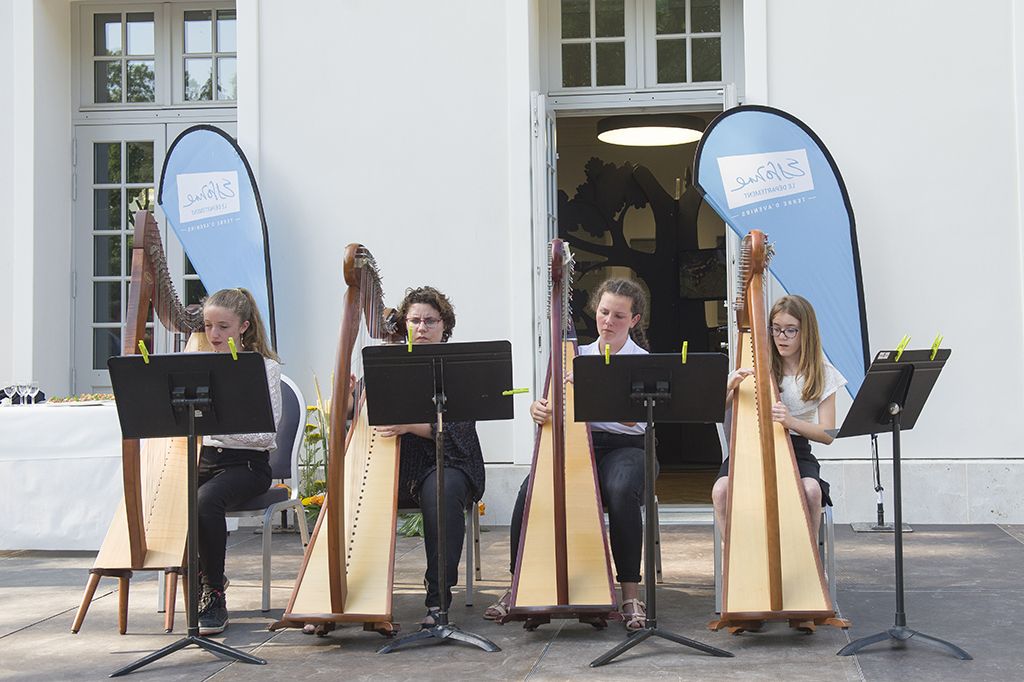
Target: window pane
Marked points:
198	31
670	16
107	163
107	81
105	343
140	161
139	200
106	301
106	209
610	18
106	34
611	63
705	17
575	18
198	79
227	78
226	30
672	61
141	81
707	59
194	291
576	65
129	244
140	33
106	255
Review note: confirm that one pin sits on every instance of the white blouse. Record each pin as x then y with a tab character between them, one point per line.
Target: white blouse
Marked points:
791	392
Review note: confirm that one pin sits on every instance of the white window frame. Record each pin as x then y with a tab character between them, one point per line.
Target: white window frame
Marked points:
168	64
641	51
177	24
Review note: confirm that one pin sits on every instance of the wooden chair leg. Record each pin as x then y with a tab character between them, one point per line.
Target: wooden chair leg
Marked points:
122	603
90	590
170	591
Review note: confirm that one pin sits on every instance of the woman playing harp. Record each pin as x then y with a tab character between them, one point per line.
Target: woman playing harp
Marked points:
429	317
618	453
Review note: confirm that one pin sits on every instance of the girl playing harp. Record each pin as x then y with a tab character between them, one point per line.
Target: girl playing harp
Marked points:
232	469
618	452
807	407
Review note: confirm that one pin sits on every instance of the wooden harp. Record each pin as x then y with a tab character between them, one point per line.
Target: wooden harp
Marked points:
772	570
563	522
149	529
347	572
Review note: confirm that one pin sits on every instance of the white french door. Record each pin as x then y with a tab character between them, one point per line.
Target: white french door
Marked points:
117	172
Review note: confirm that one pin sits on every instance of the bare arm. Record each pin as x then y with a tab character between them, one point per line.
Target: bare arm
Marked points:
815	432
421	430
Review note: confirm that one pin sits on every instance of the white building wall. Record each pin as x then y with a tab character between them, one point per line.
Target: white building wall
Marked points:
918	103
406	130
8	65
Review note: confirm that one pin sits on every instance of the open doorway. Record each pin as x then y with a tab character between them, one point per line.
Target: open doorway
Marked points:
633	211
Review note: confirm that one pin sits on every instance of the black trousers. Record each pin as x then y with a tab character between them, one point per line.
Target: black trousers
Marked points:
227	478
620	473
458	495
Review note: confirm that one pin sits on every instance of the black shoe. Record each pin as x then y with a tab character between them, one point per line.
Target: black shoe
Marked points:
213	613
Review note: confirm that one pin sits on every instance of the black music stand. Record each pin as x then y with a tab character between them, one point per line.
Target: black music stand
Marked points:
429	383
891	398
651	388
191	394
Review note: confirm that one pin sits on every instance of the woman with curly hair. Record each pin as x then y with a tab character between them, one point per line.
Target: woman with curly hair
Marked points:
430	318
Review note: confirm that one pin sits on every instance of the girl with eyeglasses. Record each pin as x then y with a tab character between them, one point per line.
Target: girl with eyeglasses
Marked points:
807	387
429	317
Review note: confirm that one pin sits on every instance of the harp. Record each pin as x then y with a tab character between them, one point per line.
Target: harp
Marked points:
347	571
772	570
149	528
563	522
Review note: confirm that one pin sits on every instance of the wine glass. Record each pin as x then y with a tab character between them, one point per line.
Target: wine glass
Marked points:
33	390
9	391
23	392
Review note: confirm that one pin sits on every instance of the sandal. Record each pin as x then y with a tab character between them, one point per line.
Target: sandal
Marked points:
430	620
500	608
635	619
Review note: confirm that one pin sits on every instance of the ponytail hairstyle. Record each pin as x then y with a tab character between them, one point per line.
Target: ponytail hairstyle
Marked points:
621	286
434	298
241	303
812	365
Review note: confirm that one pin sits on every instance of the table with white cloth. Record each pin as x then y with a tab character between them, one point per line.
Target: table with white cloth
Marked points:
60	469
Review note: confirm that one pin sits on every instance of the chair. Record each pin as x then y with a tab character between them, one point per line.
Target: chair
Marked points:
284	464
826	546
471	548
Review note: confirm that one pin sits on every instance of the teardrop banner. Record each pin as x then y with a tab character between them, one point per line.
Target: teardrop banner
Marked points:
210	199
762	168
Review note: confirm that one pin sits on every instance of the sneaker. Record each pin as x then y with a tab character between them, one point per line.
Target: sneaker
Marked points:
213	613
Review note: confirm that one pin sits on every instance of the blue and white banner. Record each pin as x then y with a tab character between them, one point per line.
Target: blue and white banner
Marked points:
761	168
209	197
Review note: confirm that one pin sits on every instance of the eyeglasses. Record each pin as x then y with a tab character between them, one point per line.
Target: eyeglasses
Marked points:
788	332
428	322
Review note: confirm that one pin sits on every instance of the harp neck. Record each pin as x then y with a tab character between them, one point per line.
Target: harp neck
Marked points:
152	288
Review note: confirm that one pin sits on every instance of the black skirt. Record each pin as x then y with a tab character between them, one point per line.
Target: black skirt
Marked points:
806	463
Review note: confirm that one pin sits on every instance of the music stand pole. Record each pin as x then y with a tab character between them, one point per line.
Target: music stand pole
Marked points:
899	631
193	636
442	629
651	628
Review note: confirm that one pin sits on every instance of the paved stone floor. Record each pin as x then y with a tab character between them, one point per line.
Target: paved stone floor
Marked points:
963	584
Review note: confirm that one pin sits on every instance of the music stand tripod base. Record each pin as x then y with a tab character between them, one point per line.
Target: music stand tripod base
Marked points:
902	633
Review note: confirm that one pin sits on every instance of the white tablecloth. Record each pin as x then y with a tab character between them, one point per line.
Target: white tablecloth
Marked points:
60	475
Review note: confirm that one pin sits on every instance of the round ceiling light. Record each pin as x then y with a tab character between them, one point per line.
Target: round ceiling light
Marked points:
650	130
